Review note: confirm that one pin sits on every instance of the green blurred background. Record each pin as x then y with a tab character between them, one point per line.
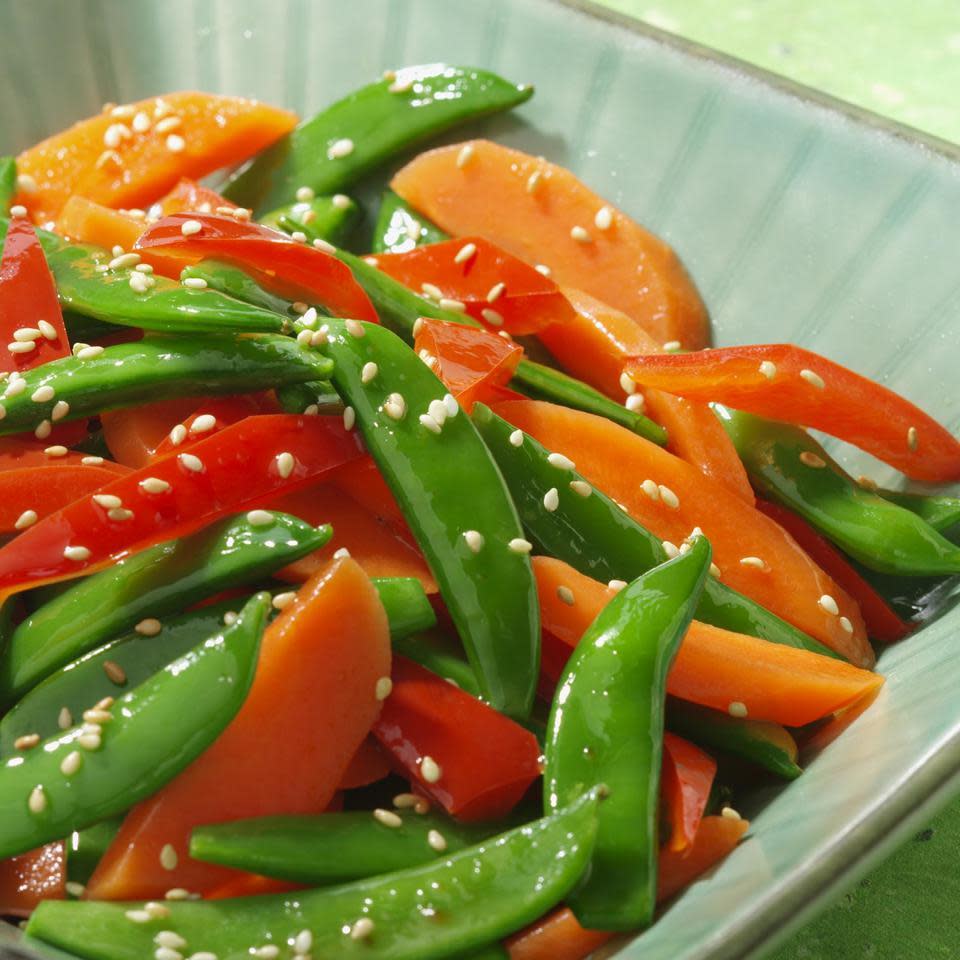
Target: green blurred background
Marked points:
899	58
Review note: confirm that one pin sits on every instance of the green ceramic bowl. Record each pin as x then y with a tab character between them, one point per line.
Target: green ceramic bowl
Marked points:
801	219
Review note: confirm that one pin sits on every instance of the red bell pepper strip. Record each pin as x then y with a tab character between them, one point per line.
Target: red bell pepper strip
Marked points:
17	453
224	410
230	471
28	301
468	360
473	761
495	287
189	196
685	785
785	382
27	879
290	269
881	620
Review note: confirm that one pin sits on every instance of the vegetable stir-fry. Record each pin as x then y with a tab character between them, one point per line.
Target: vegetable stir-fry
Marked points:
438	592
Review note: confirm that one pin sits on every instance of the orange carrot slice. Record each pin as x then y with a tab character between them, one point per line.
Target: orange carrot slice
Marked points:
715	668
368	765
133	434
680	498
110	159
37	875
543	214
312	703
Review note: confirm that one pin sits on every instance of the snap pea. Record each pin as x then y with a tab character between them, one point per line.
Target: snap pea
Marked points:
347	140
942	513
439	654
786	464
606	727
314	396
155	368
768	745
422	913
100	768
328	218
400	228
230	280
8	183
81	329
85	848
331	848
426	450
163	579
408	608
598	538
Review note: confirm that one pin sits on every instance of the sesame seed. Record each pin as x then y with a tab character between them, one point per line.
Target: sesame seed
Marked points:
341	554
668	497
26	183
168	124
474	540
43	430
283	600
21	346
438	410
190	462
71	763
737	708
369	371
167	953
209	955
405	801
913	440
156	910
339	149
387	817
446	303
580	234
107	500
755	562
37	801
670	549
566	595
194	283
542	268
26	334
430	770
551	500
260	518
89	741
310	317
516	438
168	938
43	394
114	134
303	942
140	282
104	703
627	384
814	379
88	353
323	245
285	463
91	461
154	485
496	292
108	156
95	715
492	317
175	143
18	210
431	290
635	403
395	406
812	460
60	409
361	929
268	952
437	841
298	236
305	194
349	418
519	545
467	252
304	337
828	604
64	718
15	387
533	181
115	673
141	122
581	488
728	813
149	627
400	84
354	328
203	423
178	893
47	329
846	625
671	346
450	402
168	857
617	585
341	201
77	553
190	227
463	157
768	369
561	462
715	571
603	219
430	423
123	261
27	742
138	916
383	688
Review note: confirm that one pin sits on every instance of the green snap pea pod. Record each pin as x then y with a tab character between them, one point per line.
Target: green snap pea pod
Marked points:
86	847
230	280
455	501
156	368
99	769
327	218
787	465
598	538
422	913
315	396
942	513
352	137
400	228
433	649
134	656
768	745
163	579
8	183
606	727
81	329
332	848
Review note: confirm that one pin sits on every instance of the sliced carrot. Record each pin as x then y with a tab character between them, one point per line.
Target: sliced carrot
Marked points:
558	935
372	542
714	667
37	875
595	345
618	462
685	786
107	159
550	220
134	433
311	705
368	765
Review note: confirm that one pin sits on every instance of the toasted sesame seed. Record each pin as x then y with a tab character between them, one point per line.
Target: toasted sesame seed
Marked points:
21	346
349	418
47	330
77	553
542	268
154	485
496	292
437	841
737	708
463	157
43	394
190	462
395	406
581	488
194	283
60	409
43	430
115	673
354	328
828	604
387	817
74	889
88	353
533	181
668	497
230	617
617	585
26	334
149	627
123	261
551	499
27	742
37	801
430	770
431	291
430	423
671	346
728	813
913	440
168	857
369	371
580	234
190	227
156	910
846	625
519	545
561	462
448	303
340	148
812	460
259	518
383	688
361	929
64	718
283	600
755	562
175	143
635	403
305	194
120	514
104	703
138	916
89	741
474	540
405	801
670	549
71	763
814	379
603	218
467	252
178	893
450	402
492	317
566	595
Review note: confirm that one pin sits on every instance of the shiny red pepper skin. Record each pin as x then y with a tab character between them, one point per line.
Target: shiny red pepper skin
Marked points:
685	785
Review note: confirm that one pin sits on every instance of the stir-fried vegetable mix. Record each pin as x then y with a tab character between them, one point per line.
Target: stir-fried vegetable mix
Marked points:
430	593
